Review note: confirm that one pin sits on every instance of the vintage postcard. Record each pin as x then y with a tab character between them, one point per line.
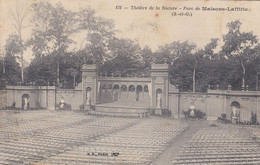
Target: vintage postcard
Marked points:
129	82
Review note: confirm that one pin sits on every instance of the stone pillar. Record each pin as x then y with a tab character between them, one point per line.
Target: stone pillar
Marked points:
166	92
153	99
89	79
160	80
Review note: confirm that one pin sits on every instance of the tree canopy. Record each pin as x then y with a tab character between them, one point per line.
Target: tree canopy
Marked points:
58	57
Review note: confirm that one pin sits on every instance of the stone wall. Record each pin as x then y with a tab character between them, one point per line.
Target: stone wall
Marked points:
3	98
70	96
213	103
216	102
43	96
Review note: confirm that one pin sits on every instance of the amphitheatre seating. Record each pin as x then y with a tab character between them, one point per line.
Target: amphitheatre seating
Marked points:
65	137
220	145
50	133
139	144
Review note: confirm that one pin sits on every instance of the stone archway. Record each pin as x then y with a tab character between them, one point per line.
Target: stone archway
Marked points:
139	89
131	88
235	111
146	88
25	101
116	92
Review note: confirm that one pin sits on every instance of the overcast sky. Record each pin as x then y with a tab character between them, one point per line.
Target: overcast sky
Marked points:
153	27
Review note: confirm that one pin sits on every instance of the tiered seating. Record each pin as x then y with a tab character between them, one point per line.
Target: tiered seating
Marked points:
45	135
139	144
220	145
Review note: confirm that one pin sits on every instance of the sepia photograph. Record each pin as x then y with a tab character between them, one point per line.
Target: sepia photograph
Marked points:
127	82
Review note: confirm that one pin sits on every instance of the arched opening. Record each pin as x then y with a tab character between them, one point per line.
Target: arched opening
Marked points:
159	90
235	104
109	86
25	101
131	88
235	111
103	86
145	88
123	88
88	89
88	95
115	93
139	89
116	87
158	98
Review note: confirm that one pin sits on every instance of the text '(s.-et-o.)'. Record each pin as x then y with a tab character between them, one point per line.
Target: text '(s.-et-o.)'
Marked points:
188	11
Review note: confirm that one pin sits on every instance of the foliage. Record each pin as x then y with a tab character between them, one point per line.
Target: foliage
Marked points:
10	54
65	107
127	58
223	118
239	47
197	114
253	118
170	52
166	112
81	107
58	57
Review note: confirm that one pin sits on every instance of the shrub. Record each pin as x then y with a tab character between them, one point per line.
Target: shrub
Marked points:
13	105
65	107
197	114
166	112
92	107
186	113
253	118
152	111
223	117
81	107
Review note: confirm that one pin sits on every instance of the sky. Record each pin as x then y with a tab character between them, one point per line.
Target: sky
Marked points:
151	27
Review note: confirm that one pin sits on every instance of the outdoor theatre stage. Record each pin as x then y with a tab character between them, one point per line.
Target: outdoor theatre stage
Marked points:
123	108
125	96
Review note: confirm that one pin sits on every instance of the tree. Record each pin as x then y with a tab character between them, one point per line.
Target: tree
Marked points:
204	60
41	70
183	62
62	26
19	15
11	67
127	58
239	46
53	27
209	49
147	58
42	14
52	35
99	32
170	52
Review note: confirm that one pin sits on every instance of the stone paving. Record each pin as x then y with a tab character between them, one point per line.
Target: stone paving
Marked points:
66	137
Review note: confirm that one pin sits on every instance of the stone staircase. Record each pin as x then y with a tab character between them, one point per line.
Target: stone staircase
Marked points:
121	109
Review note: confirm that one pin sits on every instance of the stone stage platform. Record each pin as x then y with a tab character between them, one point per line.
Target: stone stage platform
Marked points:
123	108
